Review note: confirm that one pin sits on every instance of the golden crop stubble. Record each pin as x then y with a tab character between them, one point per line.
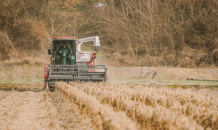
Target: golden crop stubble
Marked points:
148	117
51	110
103	116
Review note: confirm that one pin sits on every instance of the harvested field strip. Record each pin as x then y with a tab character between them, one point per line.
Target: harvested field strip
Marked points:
199	105
147	116
103	116
51	111
26	110
68	114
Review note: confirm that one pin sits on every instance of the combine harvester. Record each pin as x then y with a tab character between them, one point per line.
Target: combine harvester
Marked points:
70	64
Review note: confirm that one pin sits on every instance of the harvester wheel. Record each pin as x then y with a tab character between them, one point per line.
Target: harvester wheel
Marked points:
52	89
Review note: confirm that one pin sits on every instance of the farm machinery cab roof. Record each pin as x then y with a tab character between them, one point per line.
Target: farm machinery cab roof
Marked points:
69	63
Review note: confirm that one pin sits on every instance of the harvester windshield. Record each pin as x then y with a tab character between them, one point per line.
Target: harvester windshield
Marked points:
64	52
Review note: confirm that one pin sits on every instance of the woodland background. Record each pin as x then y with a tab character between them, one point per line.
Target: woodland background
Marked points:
179	33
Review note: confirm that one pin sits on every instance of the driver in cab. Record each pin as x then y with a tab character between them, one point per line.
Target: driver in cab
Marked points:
62	49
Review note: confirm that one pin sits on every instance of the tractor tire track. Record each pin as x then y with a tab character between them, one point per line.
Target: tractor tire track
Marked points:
68	114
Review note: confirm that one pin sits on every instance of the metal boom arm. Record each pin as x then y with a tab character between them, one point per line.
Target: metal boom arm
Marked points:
95	40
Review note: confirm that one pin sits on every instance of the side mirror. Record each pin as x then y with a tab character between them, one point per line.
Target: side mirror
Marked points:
49	51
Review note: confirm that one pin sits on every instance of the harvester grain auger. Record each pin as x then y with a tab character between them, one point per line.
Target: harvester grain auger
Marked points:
70	64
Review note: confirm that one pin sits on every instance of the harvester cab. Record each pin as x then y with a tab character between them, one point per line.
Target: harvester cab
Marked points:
63	51
70	64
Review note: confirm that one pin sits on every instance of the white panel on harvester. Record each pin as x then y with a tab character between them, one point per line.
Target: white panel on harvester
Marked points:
83	56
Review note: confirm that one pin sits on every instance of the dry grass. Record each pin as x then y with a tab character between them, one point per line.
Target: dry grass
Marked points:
26	68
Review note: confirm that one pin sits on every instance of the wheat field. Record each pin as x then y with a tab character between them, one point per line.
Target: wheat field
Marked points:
109	106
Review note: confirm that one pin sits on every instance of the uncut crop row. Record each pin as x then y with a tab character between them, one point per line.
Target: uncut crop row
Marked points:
103	116
152	107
